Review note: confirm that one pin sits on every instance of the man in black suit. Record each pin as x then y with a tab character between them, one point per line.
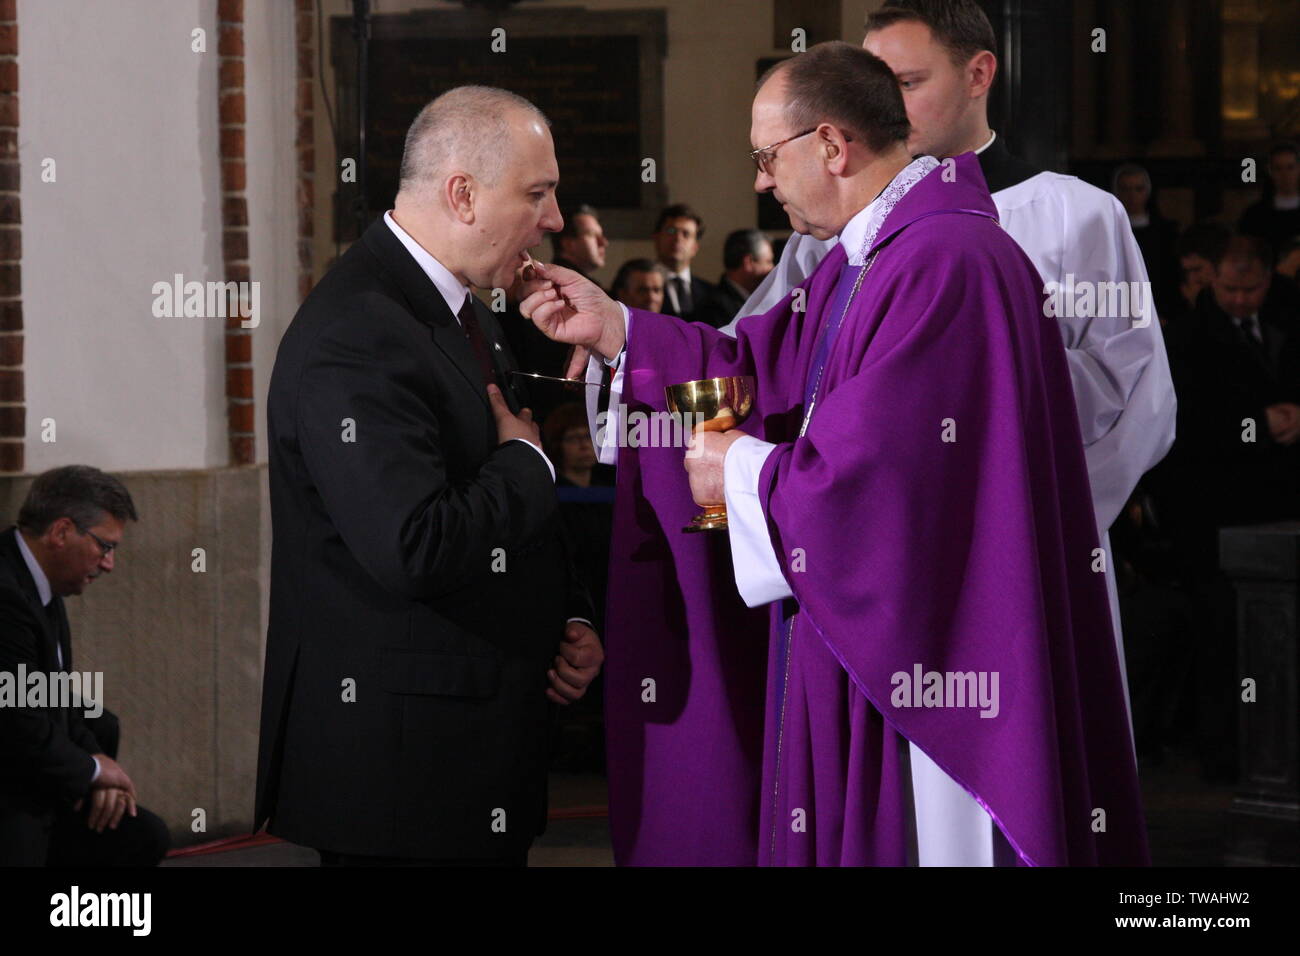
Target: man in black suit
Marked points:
747	258
64	800
1235	361
419	585
677	241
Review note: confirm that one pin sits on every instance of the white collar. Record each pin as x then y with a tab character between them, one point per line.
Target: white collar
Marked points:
452	290
34	566
855	230
684	275
992	136
1286	202
862	228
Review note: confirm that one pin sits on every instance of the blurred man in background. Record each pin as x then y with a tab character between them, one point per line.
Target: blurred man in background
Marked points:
640	284
677	241
747	259
1276	217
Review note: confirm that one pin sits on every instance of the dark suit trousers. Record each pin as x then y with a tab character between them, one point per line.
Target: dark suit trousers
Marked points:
30	840
27	839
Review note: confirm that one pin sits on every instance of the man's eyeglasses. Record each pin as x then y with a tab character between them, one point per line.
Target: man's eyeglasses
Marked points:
764	155
104	546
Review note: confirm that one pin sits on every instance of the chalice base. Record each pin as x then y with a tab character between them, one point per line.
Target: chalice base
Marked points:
712	518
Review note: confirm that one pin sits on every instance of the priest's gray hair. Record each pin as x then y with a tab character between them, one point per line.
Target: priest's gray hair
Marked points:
466	130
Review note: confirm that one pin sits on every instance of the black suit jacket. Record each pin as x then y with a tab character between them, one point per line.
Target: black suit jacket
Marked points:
418	569
45	752
1211	477
722	304
699	292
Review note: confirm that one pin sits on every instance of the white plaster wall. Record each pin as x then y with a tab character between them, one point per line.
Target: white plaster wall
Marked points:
113	93
269	78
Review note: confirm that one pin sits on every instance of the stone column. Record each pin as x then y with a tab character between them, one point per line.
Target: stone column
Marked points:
1263	563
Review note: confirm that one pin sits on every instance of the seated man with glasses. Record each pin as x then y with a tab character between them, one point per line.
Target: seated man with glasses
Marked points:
64	800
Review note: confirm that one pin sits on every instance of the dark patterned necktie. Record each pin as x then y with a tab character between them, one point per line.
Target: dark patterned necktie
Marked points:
1253	336
684	302
477	343
1250	326
56	629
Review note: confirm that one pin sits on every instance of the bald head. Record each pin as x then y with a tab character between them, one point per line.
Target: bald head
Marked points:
467	130
478	182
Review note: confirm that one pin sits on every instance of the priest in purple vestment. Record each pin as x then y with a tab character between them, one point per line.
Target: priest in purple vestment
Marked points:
908	508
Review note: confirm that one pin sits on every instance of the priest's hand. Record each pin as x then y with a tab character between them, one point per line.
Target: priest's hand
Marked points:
569	308
579	356
577	664
705	454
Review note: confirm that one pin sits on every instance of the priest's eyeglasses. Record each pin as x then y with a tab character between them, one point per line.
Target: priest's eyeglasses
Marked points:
764	155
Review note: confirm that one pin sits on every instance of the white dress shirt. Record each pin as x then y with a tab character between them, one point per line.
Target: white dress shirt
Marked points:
1250	325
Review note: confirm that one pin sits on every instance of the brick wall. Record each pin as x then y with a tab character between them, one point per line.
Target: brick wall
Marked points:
305	34
13	410
240	408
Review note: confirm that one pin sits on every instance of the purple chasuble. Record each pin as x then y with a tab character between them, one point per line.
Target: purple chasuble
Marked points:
936	528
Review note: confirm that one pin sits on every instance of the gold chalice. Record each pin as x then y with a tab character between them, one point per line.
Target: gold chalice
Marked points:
717	405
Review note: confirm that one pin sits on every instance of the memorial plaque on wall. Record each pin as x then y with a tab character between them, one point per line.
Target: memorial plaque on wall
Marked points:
596	75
